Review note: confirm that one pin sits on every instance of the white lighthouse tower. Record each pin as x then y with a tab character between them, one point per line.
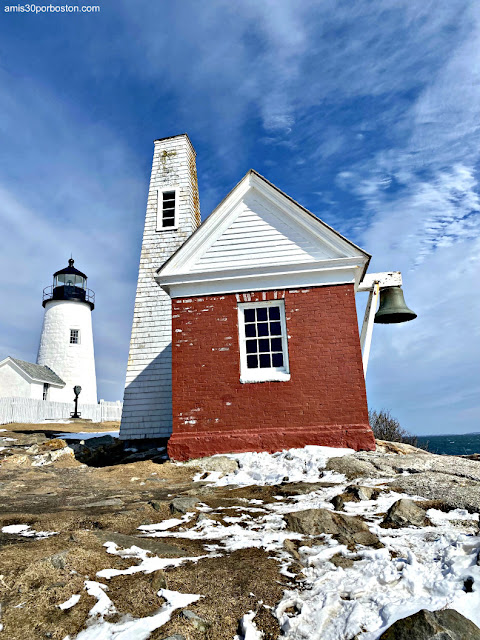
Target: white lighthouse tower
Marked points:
66	343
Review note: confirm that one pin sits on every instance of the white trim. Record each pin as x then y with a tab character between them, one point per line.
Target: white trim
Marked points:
316	274
367	327
384	279
159	217
272	374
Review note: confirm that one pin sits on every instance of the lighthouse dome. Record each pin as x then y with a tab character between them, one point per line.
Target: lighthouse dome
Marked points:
69	284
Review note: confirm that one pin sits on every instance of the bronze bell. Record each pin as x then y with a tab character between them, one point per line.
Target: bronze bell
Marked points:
392	308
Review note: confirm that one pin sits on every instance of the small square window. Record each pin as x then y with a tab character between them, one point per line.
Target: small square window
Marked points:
74	336
263	341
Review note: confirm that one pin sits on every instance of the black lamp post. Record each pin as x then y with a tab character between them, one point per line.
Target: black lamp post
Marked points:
76	390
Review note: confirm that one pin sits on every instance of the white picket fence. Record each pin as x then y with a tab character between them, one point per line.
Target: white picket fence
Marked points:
35	411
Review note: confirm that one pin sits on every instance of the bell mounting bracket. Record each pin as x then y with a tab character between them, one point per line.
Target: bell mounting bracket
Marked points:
373	282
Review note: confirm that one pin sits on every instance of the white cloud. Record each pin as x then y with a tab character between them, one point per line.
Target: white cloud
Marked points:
74	190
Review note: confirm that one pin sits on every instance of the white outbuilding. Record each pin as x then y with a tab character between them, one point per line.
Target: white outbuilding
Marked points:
22	379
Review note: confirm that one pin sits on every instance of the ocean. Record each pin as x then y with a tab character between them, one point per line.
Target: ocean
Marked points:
464	444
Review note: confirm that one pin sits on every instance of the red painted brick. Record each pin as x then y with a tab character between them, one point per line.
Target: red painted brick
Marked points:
324	402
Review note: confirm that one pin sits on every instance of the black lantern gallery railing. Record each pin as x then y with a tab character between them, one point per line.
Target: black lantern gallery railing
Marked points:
68	292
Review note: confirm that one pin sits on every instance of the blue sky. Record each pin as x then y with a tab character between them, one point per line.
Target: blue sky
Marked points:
367	113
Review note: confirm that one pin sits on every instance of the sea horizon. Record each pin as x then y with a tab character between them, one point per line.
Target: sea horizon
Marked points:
451	444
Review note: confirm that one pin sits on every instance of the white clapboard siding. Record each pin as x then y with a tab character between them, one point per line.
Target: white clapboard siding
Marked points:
259	236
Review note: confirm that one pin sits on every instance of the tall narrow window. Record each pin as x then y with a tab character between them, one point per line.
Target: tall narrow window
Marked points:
74	336
263	342
167	209
45	390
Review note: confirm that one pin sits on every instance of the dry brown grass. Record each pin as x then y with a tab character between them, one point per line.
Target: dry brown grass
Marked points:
226	584
88	506
60	427
33	588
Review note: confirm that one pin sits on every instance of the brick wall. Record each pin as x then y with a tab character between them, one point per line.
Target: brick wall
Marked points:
324	402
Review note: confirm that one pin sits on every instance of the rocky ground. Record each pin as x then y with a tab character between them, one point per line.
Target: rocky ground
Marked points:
230	546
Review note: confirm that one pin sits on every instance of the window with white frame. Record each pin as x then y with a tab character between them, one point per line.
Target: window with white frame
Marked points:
45	390
166	209
74	336
263	341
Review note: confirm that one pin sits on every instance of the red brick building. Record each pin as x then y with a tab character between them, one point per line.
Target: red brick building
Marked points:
265	345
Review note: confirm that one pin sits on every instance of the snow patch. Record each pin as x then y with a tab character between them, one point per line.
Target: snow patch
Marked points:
104	606
167	524
249	628
148	563
267	533
292	465
138	628
71	602
45	459
418	569
27	532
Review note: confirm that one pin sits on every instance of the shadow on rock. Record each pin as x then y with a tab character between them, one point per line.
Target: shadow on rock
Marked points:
107	451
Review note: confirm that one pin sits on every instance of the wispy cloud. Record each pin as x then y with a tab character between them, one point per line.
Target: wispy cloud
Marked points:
73	189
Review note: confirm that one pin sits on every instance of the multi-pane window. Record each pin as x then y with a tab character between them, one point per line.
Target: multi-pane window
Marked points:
45	390
166	213
263	341
74	336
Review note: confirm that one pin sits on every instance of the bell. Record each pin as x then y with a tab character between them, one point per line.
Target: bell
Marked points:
392	308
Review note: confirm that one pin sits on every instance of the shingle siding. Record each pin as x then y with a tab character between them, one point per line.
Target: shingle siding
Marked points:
147	407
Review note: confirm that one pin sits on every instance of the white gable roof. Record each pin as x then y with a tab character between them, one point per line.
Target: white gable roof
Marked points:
259	238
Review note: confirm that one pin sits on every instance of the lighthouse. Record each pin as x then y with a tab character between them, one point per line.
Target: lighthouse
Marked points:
66	343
